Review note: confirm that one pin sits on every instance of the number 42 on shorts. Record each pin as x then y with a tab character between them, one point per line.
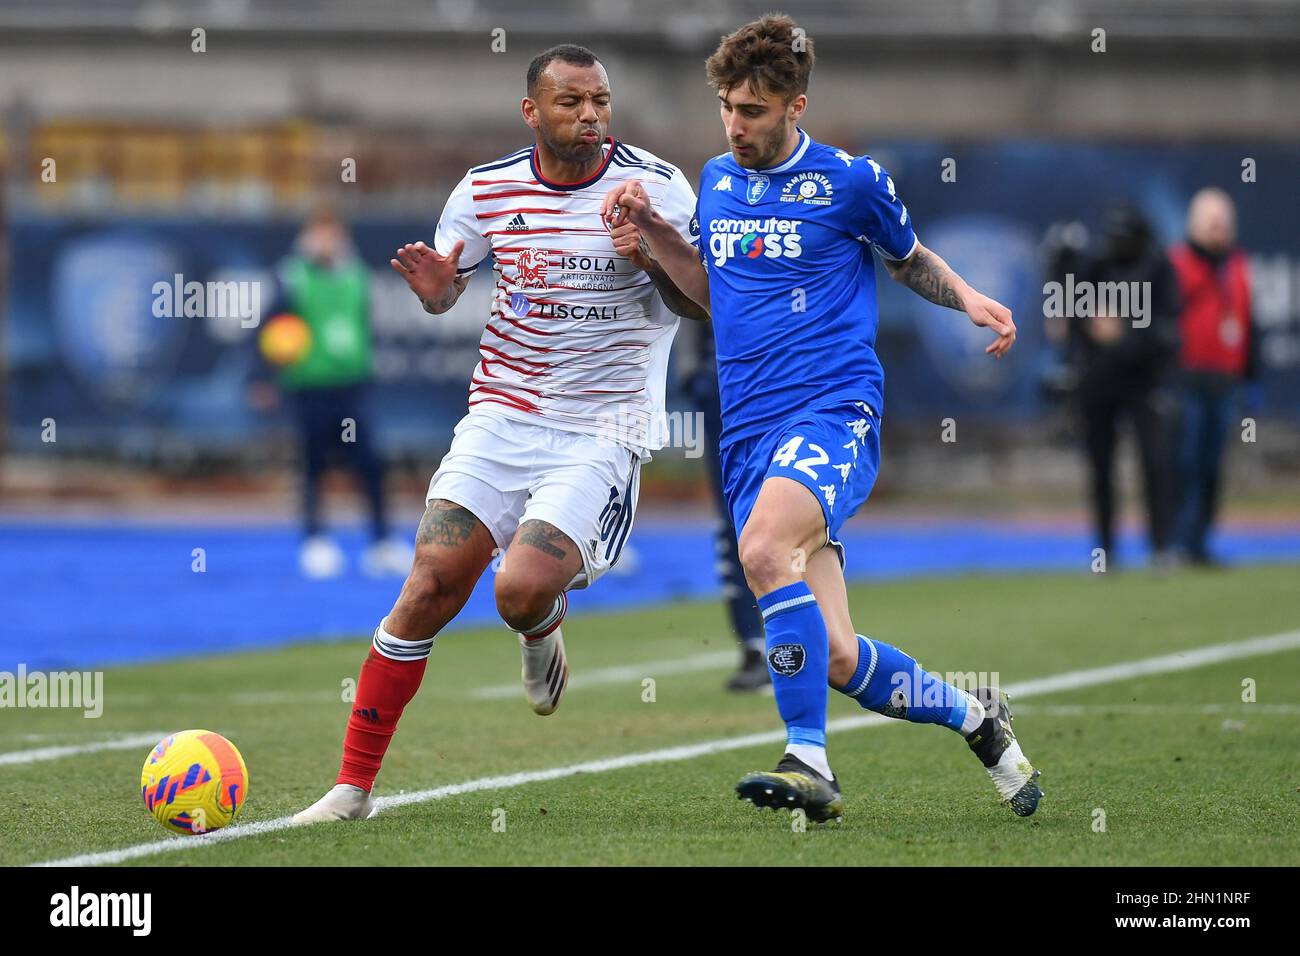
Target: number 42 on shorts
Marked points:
785	456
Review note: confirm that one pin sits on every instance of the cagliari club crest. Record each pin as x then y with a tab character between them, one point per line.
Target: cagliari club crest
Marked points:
531	265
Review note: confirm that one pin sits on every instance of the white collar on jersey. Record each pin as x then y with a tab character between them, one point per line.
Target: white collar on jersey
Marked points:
804	140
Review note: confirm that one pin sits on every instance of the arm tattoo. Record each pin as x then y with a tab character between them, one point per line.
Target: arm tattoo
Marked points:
445	524
447	299
546	538
441	304
678	302
931	278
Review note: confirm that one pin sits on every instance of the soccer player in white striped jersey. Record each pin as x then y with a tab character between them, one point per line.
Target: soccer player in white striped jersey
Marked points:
565	402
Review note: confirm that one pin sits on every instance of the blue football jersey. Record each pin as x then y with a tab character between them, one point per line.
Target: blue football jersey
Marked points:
792	282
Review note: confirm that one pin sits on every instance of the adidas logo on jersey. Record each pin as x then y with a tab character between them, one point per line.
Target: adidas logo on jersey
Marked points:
517	224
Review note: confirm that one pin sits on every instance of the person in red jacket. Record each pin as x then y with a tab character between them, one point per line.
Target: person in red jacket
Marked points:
1217	354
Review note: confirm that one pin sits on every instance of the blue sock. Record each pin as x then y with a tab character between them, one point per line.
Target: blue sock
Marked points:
892	683
798	655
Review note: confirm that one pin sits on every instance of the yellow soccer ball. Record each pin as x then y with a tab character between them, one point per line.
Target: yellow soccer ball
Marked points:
194	781
285	339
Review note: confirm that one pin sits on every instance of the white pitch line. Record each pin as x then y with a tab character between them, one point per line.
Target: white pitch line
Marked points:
1071	680
1205	710
716	659
592	678
55	753
1164	664
507	781
615	675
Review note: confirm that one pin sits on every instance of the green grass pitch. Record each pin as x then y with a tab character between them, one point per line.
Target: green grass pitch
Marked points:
1183	770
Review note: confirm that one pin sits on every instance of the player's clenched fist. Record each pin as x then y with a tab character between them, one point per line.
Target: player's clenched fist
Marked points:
629	242
626	202
429	273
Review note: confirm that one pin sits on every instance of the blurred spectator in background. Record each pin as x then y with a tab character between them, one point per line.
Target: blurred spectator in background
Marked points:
1122	367
321	339
1219	350
699	377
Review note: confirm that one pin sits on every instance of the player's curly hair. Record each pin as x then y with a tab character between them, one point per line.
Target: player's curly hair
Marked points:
770	55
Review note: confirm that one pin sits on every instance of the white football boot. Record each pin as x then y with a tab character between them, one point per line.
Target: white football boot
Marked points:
546	669
994	742
343	802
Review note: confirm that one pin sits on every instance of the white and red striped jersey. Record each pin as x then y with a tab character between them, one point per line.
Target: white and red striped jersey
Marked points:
577	336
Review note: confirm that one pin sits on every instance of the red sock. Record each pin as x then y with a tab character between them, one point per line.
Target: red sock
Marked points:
385	688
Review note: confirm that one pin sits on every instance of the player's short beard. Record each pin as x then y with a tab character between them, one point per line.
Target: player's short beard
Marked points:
770	154
576	152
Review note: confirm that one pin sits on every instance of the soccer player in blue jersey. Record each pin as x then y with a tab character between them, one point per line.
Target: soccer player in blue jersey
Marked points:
784	264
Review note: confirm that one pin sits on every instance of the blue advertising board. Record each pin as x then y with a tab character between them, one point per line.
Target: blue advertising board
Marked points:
84	344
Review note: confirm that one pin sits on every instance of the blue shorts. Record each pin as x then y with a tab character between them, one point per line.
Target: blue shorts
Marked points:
834	452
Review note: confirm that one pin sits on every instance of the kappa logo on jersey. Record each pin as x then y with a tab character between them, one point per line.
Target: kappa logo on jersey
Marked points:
531	265
695	226
517	224
770	238
723	185
847	160
757	186
889	184
786	659
812	188
828	491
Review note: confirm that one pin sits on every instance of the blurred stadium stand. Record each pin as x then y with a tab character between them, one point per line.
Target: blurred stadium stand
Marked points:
968	19
412	90
208	159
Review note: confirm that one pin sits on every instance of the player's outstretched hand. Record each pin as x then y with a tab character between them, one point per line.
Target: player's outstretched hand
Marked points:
626	202
991	314
428	273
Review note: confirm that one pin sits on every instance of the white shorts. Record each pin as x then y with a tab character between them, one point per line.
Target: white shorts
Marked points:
506	472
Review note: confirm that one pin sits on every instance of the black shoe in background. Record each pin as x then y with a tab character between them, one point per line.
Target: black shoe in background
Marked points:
753	673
